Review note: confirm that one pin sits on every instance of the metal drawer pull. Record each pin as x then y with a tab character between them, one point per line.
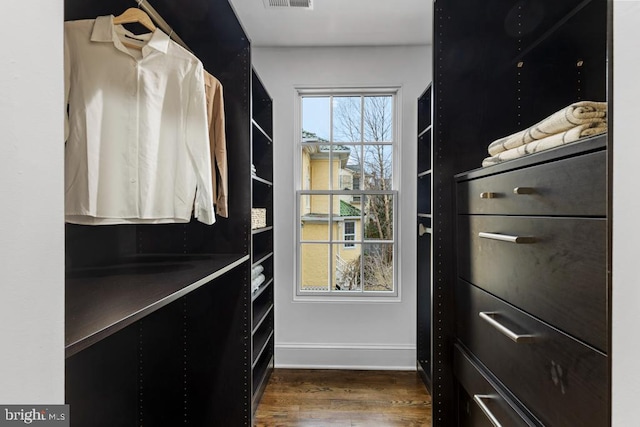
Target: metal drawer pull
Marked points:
488	195
488	317
524	190
507	237
487	412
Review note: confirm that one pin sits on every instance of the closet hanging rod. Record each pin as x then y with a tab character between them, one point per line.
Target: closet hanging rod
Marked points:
162	24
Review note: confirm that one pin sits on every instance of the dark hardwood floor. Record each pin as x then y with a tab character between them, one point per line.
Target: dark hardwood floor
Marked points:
321	398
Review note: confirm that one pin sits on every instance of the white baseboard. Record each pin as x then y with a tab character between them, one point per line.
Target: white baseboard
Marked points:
397	357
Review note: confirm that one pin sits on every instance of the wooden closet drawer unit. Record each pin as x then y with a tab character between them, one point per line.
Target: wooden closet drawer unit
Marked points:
569	187
486	404
556	271
560	380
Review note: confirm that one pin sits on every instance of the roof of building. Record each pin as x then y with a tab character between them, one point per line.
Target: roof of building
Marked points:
348	210
311	137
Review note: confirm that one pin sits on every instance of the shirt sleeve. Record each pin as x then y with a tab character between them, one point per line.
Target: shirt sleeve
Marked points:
198	146
219	141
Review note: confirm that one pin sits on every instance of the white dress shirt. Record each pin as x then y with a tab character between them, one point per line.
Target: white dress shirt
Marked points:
137	143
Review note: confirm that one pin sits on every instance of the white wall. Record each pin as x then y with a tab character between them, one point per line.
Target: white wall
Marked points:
31	196
345	334
626	214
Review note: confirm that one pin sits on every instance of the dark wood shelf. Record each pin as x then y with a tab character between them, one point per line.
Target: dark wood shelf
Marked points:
261	230
425	130
263	347
262	258
261	289
261	382
102	301
260	317
262	180
261	130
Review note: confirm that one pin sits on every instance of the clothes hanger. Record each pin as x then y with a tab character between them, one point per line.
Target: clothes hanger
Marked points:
134	15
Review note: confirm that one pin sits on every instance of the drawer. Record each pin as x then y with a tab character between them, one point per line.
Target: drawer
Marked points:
481	401
561	381
571	187
560	277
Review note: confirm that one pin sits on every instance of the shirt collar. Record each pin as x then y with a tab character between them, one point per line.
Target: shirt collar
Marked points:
103	31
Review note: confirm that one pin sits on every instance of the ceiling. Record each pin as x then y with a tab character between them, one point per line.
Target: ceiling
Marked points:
338	23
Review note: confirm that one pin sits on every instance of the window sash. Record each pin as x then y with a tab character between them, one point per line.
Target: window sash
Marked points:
355	193
350	234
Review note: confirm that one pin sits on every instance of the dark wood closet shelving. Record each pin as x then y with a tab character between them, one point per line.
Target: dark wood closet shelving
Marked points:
261	316
261	130
177	298
262	180
261	289
496	74
261	230
103	300
424	185
262	300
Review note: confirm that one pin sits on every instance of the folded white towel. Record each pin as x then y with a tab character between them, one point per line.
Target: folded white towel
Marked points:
256	270
576	114
255	283
571	135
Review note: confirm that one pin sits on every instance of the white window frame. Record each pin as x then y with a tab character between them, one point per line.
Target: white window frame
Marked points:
335	295
345	235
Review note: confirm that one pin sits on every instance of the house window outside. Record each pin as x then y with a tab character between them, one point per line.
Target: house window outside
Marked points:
347	196
349	233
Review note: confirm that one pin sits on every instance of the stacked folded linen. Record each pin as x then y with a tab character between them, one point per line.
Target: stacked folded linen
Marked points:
573	134
257	278
256	270
576	121
256	282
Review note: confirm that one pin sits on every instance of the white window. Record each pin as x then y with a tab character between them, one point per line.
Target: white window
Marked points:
349	233
347	195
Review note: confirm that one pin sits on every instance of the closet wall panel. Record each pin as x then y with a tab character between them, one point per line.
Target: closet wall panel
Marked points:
181	354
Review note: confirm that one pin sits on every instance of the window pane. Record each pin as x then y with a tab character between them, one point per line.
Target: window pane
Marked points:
378	267
305	169
347	119
378	119
315	173
314	217
346	268
346	212
346	166
378	217
316	118
314	267
378	167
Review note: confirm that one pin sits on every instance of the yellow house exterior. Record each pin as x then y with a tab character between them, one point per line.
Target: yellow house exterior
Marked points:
318	228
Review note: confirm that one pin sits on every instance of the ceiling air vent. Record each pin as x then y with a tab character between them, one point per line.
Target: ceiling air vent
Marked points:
298	4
